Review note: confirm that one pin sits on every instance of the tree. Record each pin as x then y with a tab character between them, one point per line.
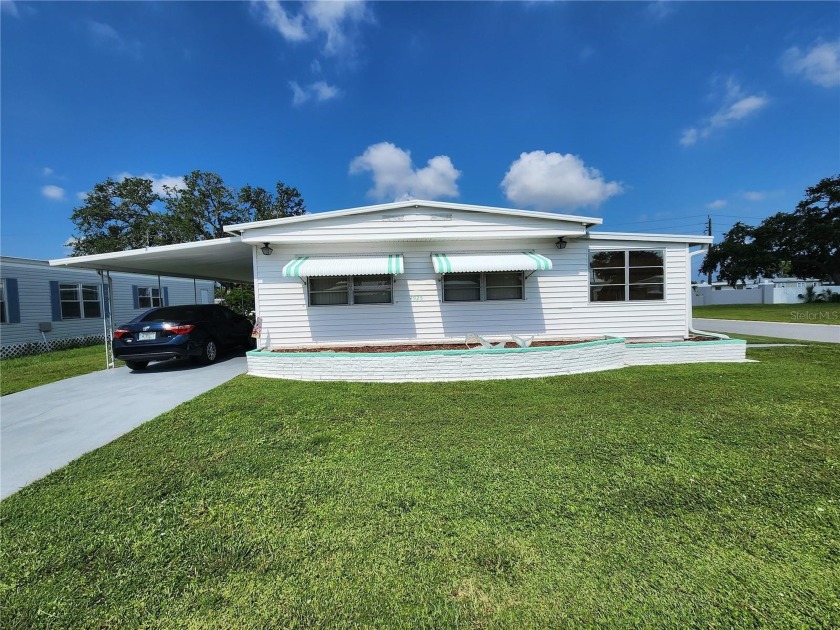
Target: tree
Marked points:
263	205
732	257
119	215
128	214
202	207
804	243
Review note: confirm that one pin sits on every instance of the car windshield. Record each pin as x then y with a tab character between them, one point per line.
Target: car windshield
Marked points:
170	313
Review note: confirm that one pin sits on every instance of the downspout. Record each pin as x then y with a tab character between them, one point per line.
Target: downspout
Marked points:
690	306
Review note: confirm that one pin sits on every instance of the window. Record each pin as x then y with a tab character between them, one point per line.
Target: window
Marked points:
4	318
336	290
480	287
626	275
148	297
79	301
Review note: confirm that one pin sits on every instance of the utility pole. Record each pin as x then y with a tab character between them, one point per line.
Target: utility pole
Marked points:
709	228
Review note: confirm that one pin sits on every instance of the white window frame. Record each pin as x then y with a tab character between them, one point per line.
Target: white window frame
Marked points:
351	292
150	299
627	267
79	288
482	287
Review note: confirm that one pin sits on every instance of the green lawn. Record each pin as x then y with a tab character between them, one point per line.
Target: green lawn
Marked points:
40	369
677	496
790	313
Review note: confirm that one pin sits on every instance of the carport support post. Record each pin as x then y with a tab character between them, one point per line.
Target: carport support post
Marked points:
108	318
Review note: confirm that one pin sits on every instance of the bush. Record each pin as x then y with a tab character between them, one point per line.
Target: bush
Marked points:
826	295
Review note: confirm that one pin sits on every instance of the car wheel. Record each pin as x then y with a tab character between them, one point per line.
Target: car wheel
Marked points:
137	365
209	352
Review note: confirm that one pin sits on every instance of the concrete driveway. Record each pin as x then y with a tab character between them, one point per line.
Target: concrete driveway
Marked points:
806	332
45	428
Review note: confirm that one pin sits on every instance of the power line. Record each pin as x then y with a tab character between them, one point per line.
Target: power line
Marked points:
692	216
696	226
736	216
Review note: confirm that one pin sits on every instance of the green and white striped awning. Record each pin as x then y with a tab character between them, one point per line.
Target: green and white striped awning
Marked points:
490	261
368	265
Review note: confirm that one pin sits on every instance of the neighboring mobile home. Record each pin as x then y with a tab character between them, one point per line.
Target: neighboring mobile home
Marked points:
56	307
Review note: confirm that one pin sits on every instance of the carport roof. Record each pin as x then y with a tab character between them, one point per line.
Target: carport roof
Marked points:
222	259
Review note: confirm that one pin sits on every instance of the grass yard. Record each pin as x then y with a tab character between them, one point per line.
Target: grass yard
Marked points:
789	313
40	369
677	496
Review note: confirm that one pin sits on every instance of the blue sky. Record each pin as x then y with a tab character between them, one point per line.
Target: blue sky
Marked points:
649	115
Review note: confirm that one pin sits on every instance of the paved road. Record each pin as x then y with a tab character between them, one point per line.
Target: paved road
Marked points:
806	332
45	428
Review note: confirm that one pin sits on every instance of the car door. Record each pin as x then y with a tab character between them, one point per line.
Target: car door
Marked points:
240	327
221	325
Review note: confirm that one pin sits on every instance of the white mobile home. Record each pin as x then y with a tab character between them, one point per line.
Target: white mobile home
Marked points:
431	272
417	273
55	306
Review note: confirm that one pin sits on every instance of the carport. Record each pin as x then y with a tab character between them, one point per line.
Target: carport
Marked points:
221	260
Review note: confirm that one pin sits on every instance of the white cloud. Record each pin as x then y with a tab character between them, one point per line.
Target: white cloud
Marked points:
81	195
47	171
394	175
736	106
754	195
553	181
820	65
319	90
9	7
716	204
689	137
299	95
334	21
158	181
56	193
660	9
106	35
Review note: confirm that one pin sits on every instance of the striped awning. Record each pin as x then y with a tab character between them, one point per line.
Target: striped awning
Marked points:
314	266
490	261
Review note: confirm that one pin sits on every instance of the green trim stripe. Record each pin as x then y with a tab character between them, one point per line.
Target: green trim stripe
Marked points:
543	263
441	263
395	264
367	355
292	270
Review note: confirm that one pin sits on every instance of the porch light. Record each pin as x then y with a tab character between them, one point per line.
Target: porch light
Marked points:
561	243
265	249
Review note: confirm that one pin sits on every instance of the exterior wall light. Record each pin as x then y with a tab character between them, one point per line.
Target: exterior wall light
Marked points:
561	243
265	249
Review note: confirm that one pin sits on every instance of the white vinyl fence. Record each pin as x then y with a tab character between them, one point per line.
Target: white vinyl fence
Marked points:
755	294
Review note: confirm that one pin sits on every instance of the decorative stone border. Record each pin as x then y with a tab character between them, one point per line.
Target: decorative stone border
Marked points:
663	353
479	365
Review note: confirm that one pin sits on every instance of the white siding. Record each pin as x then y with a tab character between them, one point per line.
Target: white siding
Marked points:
34	277
413	224
556	303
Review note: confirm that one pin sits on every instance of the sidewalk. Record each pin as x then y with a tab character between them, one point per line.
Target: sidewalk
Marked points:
806	332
